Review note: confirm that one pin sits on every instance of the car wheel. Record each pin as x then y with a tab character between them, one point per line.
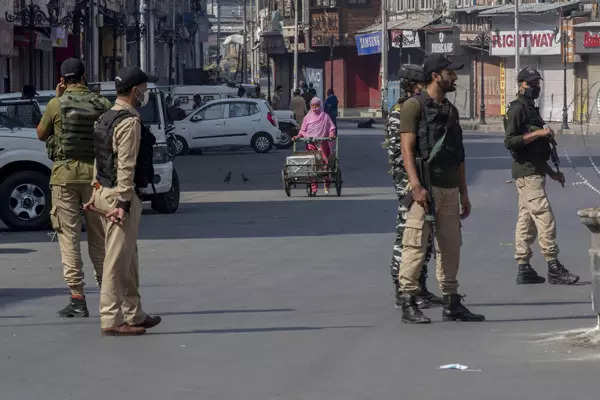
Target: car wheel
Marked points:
181	146
261	142
285	141
167	203
25	200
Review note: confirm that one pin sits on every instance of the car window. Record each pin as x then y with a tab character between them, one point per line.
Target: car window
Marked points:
216	111
20	115
242	109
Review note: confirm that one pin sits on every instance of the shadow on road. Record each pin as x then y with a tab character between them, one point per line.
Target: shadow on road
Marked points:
260	330
16	251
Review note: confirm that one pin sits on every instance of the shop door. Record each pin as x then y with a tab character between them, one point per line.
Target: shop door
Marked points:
363	81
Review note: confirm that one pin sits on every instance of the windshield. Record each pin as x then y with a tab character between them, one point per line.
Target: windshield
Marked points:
149	113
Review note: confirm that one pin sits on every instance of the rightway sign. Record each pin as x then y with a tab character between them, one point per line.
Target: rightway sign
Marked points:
535	43
369	43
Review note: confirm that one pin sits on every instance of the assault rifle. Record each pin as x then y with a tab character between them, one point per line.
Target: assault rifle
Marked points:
425	179
554	155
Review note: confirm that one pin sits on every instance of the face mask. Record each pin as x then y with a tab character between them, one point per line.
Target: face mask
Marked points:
142	98
532	92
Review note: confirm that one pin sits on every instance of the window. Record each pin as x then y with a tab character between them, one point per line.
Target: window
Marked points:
216	111
324	3
26	115
237	110
358	2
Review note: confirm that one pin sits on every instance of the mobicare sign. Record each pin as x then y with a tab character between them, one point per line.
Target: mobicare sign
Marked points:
535	43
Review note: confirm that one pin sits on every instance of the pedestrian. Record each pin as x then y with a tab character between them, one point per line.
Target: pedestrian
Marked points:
433	155
28	92
412	80
276	100
298	106
331	106
307	95
529	144
67	127
197	99
123	147
317	124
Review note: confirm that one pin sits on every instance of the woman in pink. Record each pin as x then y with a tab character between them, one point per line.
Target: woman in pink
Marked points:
317	124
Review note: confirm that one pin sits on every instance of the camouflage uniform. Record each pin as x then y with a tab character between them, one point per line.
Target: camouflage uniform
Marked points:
400	178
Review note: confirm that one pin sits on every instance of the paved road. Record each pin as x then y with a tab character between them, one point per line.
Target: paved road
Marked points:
265	297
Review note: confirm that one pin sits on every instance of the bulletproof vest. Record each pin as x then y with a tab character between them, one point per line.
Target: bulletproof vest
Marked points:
79	111
439	131
539	148
105	156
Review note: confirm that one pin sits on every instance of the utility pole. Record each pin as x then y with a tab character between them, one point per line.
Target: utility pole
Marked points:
563	40
256	49
384	59
143	44
218	38
95	42
517	41
173	49
244	50
296	46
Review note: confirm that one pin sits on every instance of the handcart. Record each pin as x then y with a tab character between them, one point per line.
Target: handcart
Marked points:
307	167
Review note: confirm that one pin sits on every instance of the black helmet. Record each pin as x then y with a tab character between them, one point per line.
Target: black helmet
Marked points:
412	72
528	74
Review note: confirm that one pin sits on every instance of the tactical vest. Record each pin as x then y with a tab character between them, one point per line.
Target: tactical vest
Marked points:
106	166
439	134
78	112
538	149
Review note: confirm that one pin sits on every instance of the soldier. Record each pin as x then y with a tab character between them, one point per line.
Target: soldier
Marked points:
67	127
123	149
529	144
433	155
412	81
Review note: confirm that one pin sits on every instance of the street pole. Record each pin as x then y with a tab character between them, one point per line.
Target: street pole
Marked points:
256	48
295	85
218	39
95	43
482	107
331	61
143	55
517	41
244	50
563	40
384	59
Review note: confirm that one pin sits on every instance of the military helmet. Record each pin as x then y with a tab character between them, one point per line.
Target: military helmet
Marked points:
412	72
528	74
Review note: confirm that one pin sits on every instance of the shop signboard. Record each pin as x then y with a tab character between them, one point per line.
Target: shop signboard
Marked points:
405	39
532	43
587	41
442	42
369	43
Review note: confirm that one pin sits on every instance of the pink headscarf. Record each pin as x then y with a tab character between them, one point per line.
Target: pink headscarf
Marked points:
317	124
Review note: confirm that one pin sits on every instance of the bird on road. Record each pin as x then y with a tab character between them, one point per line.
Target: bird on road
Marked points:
245	178
227	177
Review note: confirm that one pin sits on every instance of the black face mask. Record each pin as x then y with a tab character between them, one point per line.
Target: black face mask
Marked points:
532	92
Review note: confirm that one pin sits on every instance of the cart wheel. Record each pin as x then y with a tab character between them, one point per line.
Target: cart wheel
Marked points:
286	184
338	182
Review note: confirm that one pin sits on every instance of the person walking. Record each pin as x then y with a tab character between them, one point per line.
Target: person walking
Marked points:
412	82
317	124
529	144
123	149
434	158
276	100
67	127
331	106
298	106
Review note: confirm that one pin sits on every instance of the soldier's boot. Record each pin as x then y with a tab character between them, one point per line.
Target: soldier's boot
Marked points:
527	275
426	297
455	311
559	275
77	308
410	312
397	294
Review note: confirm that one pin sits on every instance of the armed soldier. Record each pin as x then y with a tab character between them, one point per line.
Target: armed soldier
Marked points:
530	145
434	158
124	148
67	127
412	82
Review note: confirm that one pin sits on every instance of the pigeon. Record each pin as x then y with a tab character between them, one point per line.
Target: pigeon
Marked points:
227	177
245	178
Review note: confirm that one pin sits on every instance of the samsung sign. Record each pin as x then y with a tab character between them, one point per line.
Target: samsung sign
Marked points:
368	44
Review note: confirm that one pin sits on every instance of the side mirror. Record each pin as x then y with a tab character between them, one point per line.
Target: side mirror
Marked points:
196	118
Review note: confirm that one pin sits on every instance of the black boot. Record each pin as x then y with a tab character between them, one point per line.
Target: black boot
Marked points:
559	275
77	308
397	294
410	312
426	296
455	311
527	275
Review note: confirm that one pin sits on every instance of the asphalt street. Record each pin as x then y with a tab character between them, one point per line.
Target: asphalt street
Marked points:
265	297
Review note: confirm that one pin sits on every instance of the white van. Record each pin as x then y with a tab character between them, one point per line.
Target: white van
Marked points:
183	96
164	193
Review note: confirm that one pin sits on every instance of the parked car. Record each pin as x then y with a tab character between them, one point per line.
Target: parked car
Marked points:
42	98
230	122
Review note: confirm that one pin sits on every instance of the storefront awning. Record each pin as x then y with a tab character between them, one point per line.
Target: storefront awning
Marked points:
530	8
407	24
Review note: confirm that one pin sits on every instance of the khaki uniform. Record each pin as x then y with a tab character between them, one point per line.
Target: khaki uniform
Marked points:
445	182
70	185
298	106
529	168
120	300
